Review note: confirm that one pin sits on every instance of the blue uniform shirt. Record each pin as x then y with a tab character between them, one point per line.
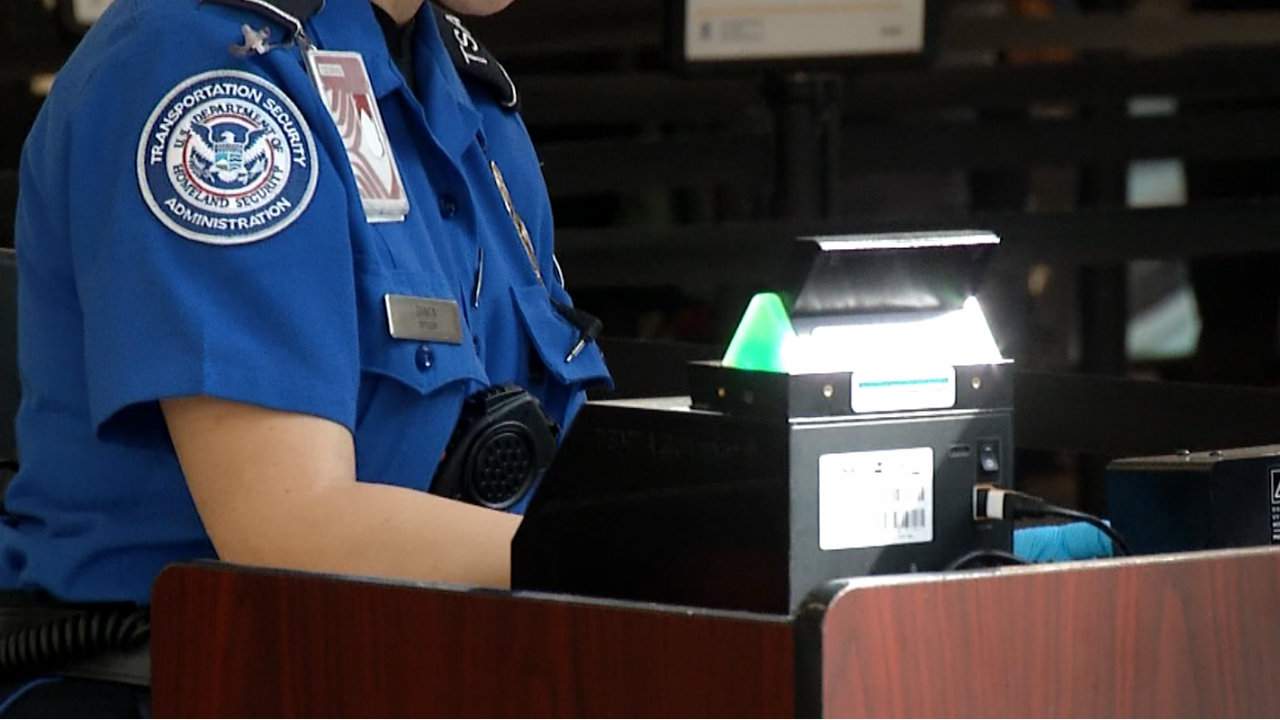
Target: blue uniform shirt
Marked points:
241	266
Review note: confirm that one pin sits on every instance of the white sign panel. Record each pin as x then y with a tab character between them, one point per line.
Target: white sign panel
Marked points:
875	499
897	391
780	29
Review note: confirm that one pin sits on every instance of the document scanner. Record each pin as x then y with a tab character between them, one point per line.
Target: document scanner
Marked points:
842	435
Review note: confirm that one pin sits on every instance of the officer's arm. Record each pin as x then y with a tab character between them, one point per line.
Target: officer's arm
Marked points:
279	490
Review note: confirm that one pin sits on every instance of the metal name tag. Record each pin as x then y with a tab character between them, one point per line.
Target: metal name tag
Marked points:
423	319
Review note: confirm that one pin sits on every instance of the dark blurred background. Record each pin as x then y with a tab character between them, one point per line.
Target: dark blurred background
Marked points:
1126	152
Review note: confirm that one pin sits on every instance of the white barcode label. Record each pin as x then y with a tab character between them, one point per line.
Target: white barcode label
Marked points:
875	498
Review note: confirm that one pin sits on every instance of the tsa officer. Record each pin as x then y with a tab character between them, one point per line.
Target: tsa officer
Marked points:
273	254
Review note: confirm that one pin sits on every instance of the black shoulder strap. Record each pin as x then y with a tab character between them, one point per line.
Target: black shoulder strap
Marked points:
475	61
290	13
472	59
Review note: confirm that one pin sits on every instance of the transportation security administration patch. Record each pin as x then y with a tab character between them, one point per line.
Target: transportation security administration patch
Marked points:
227	159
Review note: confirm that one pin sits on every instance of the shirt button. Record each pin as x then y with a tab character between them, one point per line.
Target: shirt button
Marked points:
424	357
448	206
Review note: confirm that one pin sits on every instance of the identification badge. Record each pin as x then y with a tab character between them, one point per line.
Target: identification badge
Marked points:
344	86
423	319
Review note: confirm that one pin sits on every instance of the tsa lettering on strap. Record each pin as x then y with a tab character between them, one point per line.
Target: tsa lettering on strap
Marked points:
227	159
343	82
474	60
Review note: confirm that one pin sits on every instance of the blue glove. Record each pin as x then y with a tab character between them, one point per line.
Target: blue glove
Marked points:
1060	543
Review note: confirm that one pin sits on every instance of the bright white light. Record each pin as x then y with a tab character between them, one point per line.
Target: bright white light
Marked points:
895	341
904	241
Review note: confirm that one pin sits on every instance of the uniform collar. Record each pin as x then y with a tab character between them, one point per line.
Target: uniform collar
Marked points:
451	117
444	96
292	14
350	25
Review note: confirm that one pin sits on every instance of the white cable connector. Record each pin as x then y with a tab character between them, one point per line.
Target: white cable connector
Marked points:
989	503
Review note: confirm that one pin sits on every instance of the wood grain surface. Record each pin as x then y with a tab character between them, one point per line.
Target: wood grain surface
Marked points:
1173	636
233	642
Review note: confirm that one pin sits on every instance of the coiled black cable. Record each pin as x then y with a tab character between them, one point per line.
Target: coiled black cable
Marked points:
78	635
47	636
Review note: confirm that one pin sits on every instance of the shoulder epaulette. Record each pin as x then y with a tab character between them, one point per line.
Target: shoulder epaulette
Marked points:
474	60
290	13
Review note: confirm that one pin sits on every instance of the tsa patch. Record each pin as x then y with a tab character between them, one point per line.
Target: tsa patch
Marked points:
227	159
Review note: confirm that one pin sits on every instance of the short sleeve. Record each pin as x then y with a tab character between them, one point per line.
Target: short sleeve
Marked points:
210	241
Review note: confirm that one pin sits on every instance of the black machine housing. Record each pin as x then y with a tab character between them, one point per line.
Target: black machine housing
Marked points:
1196	501
713	500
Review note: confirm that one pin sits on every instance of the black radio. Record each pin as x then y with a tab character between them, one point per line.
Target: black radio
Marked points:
502	445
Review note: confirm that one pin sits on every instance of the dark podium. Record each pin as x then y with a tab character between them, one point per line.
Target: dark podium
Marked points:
1178	635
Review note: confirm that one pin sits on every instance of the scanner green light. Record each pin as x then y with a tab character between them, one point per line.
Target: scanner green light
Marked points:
764	330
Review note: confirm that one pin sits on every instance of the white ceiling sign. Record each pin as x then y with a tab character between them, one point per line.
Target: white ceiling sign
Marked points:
796	29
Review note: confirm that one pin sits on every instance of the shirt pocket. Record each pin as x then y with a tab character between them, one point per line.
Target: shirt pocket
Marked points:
553	338
411	391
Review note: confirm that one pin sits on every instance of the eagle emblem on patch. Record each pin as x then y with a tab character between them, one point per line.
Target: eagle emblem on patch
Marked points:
226	158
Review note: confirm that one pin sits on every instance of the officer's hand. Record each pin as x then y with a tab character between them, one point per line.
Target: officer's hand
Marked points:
279	489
